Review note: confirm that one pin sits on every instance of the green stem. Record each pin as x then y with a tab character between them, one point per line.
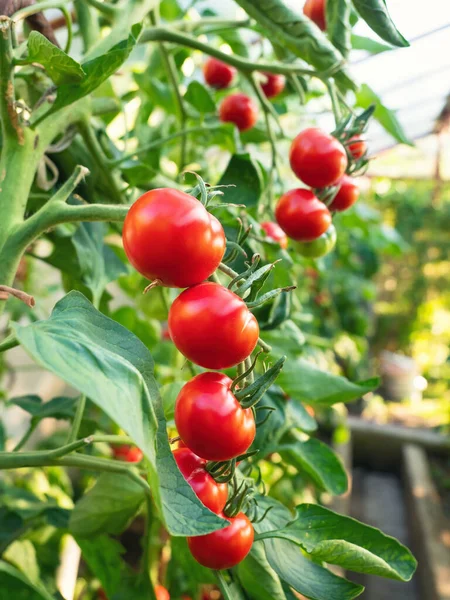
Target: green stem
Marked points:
100	159
8	343
332	90
26	12
162	34
88	24
73	433
172	75
21	443
162	141
109	10
189	26
223	585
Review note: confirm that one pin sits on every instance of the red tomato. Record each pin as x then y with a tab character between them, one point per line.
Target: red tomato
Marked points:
347	195
358	148
275	232
225	548
274	84
101	595
218	74
240	110
161	593
302	215
317	158
210	420
126	453
212	326
169	235
315	10
213	495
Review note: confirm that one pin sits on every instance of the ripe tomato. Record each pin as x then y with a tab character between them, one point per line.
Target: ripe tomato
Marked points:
317	158
213	495
218	74
101	594
347	195
210	420
212	326
275	232
319	247
302	215
169	235
225	548
126	453
315	10
273	85
240	110
358	148
161	593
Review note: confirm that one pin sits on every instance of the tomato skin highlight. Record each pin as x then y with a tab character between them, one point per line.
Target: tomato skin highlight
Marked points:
239	109
315	10
274	84
218	74
130	454
161	593
213	495
317	158
302	216
275	232
320	246
358	148
212	326
225	548
347	195
170	236
210	420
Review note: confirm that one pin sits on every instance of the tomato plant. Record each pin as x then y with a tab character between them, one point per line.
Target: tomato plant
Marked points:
127	166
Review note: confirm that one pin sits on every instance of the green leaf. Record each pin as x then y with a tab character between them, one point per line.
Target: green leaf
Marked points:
59	65
302	380
319	462
98	263
57	408
299	416
11	526
375	14
108	507
338	24
96	71
169	393
247	171
386	117
343	541
258	578
2	436
200	98
103	557
359	42
295	32
14	584
113	368
292	566
22	554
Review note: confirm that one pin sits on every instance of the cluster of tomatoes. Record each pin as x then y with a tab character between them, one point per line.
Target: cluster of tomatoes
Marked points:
171	239
318	159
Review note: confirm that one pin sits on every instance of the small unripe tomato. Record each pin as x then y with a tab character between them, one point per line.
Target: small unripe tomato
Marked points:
317	158
358	147
225	548
170	236
161	593
319	247
213	495
239	109
212	326
275	232
347	194
302	216
315	10
273	85
130	454
218	74
210	419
